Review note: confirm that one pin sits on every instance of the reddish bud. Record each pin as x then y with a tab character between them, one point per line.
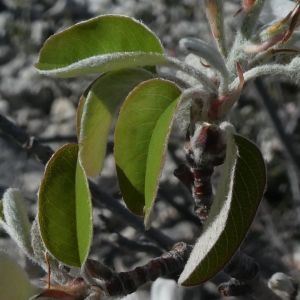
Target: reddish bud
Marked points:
207	145
277	32
247	5
212	13
293	23
219	108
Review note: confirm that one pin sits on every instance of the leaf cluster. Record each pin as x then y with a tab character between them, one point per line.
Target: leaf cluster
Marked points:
125	52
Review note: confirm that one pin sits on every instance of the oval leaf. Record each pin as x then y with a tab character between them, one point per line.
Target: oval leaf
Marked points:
100	104
100	44
141	135
65	213
237	198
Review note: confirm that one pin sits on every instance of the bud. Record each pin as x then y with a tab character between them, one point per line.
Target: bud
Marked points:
219	107
214	14
277	32
212	10
207	145
247	5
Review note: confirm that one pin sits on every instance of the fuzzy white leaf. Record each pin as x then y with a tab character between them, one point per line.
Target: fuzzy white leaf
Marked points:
16	221
206	51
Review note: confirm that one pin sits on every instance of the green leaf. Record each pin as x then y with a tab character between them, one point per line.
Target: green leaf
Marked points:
14	283
101	44
237	198
39	250
141	136
100	105
65	212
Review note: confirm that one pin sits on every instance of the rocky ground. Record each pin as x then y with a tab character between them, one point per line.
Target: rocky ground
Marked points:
46	108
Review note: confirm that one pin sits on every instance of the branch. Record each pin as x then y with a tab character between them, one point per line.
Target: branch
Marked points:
170	264
28	143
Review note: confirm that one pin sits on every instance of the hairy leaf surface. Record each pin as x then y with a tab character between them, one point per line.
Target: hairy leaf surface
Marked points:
141	136
237	198
15	219
101	44
65	213
98	108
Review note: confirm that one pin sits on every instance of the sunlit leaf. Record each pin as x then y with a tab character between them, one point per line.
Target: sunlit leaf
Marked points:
101	44
65	214
237	198
141	136
97	108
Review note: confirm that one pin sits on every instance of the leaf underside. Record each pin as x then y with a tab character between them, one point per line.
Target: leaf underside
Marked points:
141	136
65	213
237	198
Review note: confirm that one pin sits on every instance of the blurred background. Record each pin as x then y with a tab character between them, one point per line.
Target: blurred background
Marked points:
268	114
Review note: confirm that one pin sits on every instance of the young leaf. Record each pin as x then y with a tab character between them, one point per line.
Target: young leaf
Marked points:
215	17
14	283
100	103
141	135
239	193
65	213
208	52
15	220
100	44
